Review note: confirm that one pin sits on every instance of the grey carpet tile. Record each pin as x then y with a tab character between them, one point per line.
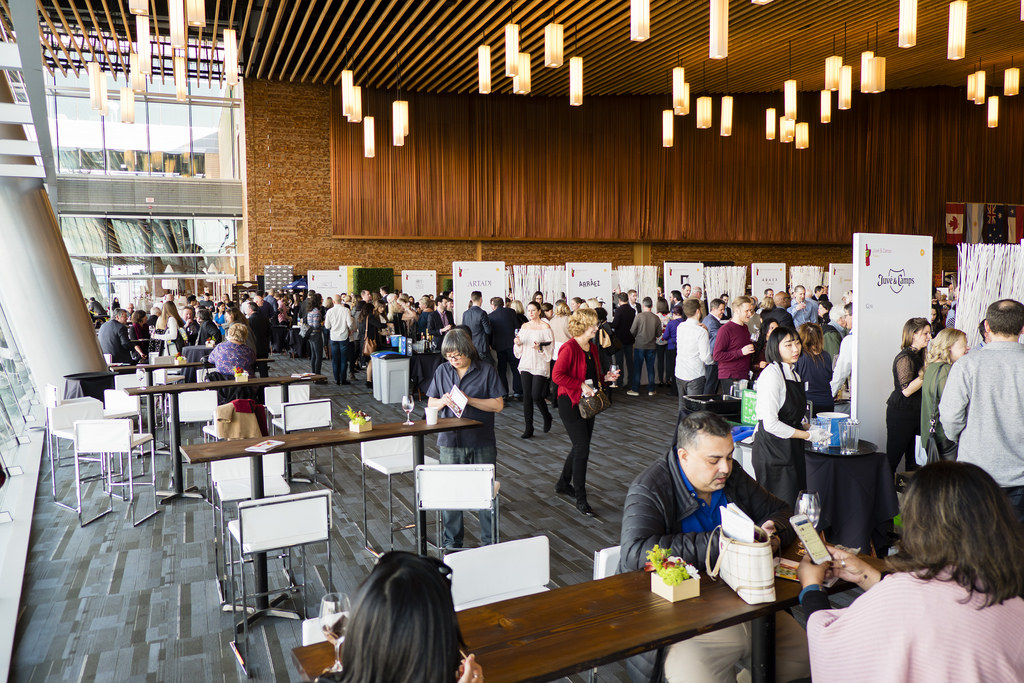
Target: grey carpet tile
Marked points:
115	603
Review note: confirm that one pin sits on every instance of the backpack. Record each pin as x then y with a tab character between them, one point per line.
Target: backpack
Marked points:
606	340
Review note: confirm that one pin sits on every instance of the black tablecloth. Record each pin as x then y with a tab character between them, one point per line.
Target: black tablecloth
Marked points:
297	346
858	496
194	354
279	338
91	384
421	369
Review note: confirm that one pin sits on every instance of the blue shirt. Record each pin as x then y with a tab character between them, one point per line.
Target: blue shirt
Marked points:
670	332
808	315
480	381
707	517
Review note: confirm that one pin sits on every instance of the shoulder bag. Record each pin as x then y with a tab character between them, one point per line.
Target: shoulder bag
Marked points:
592	405
303	328
939	447
369	343
746	567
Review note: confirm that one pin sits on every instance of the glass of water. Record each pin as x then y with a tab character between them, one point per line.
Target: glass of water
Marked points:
808	503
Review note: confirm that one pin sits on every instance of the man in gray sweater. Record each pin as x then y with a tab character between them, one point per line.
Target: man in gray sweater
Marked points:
982	406
646	329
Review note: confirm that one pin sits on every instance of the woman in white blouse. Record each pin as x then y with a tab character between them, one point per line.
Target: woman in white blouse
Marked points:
533	347
778	453
172	325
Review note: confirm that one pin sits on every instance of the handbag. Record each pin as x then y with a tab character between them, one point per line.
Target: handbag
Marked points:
746	567
938	447
592	405
369	343
304	328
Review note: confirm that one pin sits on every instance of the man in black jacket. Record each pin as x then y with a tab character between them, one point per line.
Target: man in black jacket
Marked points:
674	504
479	326
622	321
259	327
441	320
504	323
113	336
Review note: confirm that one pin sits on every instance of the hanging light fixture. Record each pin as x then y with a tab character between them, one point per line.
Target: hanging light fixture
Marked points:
769	123
972	82
759	2
725	129
346	92
176	12
666	127
678	80
575	81
876	67
832	66
137	78
826	106
357	105
718	47
142	45
787	129
521	81
399	121
686	99
196	13
908	24
95	89
789	92
956	45
704	112
802	135
866	73
369	145
639	19
993	111
979	87
127	105
139	7
845	98
511	45
230	56
553	45
1011	81
483	62
180	78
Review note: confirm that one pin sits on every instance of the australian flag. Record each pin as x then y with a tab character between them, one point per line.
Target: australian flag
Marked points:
996	230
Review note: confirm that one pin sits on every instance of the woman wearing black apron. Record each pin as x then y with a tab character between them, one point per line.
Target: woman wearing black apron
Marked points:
778	453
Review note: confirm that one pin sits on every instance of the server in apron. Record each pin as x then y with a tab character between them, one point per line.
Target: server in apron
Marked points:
778	453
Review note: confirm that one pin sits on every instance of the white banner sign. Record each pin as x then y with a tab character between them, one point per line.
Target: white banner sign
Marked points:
587	280
327	282
892	282
487	277
767	276
840	280
417	283
678	274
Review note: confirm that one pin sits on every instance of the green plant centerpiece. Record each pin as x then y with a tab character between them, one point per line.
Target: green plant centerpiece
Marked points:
671	577
358	421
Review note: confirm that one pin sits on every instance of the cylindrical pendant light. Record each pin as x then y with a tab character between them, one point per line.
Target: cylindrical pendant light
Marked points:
196	13
127	105
369	144
718	47
726	126
139	7
176	12
346	92
137	78
180	78
845	87
399	112
704	112
956	46
666	127
979	87
993	111
972	82
769	123
639	19
877	67
230	56
1011	81
802	135
575	81
678	79
483	61
866	84
95	90
142	45
908	23
511	49
787	129
826	106
686	100
790	98
832	66
521	81
553	45
357	105
403	106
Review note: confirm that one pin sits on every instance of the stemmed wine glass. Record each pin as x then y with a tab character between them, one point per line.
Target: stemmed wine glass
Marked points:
809	503
334	609
614	368
408	404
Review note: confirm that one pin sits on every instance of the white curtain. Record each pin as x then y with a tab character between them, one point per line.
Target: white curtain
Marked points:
808	276
644	279
986	273
731	280
525	280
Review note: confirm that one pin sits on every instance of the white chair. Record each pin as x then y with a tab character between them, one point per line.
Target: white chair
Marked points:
273	397
119	405
104	438
60	424
457	487
501	571
304	416
130	380
389	457
271	524
197	406
606	562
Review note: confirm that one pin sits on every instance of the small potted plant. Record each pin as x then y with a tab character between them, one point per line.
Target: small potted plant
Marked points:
180	359
671	578
211	342
241	375
358	421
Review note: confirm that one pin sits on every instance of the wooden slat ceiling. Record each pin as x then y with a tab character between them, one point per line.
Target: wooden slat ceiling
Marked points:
432	43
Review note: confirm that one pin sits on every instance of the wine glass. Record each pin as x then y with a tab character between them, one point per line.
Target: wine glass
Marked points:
614	368
334	609
408	404
809	503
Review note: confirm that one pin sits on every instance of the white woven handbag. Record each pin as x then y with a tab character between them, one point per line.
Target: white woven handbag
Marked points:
746	567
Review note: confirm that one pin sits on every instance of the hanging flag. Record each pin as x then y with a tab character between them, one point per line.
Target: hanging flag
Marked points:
974	223
954	223
995	231
1015	224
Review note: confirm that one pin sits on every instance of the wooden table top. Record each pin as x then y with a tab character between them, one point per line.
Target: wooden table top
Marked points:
122	369
182	387
552	634
299	441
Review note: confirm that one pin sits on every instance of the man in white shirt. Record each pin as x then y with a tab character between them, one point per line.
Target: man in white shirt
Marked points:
844	364
339	322
693	352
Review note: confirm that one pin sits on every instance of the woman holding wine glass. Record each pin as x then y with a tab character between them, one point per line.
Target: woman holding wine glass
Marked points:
533	347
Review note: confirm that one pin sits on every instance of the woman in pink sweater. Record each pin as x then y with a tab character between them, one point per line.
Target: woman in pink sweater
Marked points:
952	607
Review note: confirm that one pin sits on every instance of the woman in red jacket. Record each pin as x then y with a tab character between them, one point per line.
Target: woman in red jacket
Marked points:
577	373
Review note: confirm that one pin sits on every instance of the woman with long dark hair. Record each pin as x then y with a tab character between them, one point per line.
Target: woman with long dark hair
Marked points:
533	342
815	368
903	408
315	320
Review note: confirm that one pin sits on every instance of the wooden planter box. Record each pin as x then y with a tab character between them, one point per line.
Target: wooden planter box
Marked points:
358	428
242	378
683	591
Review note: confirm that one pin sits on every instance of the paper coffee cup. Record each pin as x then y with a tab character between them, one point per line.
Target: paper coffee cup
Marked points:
431	416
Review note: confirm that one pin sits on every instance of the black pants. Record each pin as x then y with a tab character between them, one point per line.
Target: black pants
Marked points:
625	354
316	351
661	373
534	389
354	356
670	369
575	469
507	361
901	426
711	378
689	387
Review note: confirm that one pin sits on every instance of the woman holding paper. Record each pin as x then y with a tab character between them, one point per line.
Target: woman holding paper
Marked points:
533	343
778	452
